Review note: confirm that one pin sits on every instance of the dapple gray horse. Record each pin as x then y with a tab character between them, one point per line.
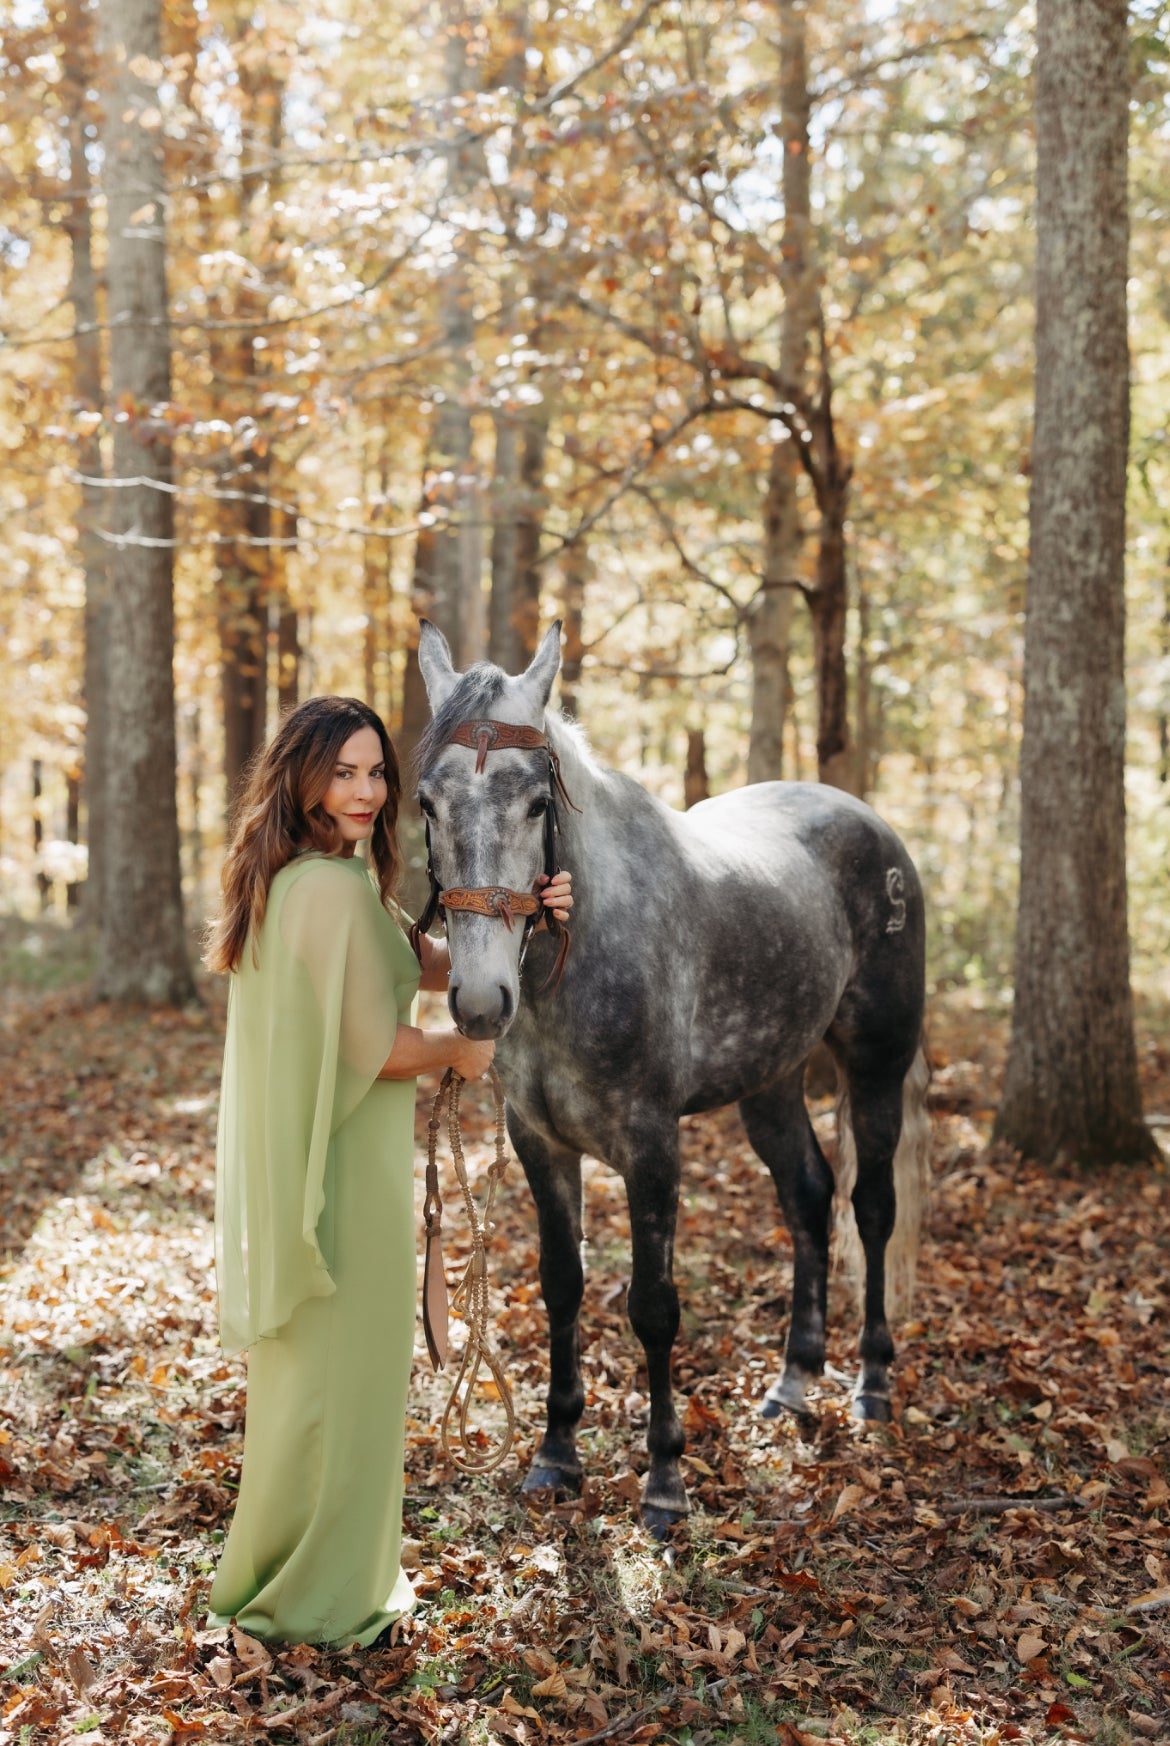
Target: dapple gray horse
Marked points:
711	951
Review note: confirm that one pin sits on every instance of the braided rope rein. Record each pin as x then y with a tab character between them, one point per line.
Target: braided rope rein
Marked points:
470	1297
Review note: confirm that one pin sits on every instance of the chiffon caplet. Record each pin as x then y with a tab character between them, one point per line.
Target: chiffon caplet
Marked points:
312	1012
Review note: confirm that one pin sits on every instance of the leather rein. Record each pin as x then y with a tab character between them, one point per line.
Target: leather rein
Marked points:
483	737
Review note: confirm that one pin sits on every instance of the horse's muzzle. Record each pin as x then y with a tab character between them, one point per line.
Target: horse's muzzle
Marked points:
482	1014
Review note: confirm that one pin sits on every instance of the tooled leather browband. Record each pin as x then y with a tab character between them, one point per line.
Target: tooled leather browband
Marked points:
483	737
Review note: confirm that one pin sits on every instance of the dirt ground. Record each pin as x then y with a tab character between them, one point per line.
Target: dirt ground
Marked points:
994	1566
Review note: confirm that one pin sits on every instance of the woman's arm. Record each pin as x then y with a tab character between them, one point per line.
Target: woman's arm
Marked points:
416	1051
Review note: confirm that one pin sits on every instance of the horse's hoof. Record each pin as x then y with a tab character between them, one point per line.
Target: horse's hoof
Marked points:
541	1478
872	1409
785	1396
658	1521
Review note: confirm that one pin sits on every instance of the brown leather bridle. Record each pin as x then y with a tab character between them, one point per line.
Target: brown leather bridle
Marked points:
483	737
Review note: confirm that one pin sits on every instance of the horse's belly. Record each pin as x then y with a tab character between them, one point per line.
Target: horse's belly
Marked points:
779	1012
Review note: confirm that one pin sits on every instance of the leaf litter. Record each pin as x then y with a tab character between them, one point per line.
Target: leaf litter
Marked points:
994	1566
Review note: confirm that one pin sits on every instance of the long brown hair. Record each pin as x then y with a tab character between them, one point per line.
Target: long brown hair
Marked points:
280	815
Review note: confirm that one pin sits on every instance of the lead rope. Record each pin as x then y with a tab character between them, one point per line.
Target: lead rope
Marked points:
470	1298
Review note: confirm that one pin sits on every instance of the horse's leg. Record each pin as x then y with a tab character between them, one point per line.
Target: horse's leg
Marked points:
778	1126
554	1176
651	1172
875	1113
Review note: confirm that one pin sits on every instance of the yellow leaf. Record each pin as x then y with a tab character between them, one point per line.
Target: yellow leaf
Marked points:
552	1687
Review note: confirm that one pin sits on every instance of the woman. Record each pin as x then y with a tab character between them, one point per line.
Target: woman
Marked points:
315	1248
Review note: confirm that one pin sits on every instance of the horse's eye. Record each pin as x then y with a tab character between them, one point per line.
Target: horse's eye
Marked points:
427	806
538	807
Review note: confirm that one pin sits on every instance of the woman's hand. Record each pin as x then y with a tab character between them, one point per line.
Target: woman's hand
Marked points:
470	1059
556	894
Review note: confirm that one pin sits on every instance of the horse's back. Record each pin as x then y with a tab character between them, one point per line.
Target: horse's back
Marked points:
807	831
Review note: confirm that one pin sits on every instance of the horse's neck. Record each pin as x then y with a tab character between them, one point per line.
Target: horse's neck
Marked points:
583	830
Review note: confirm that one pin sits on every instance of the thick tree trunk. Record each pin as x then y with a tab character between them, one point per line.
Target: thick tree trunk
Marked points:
456	577
505	480
143	953
769	621
89	395
1072	1087
518	522
770	613
252	580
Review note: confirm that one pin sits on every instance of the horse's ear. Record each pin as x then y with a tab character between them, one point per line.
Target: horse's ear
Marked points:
435	663
538	677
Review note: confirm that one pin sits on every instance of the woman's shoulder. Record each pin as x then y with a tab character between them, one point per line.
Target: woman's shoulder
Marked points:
314	879
328	872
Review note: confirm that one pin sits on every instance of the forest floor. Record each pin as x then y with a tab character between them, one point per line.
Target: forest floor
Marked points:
994	1566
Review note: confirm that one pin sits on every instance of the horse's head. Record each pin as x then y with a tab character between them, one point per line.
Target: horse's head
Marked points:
486	818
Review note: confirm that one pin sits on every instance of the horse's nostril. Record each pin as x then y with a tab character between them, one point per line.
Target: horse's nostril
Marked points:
505	1003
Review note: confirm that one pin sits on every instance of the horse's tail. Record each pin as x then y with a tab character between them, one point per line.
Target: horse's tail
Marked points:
911	1191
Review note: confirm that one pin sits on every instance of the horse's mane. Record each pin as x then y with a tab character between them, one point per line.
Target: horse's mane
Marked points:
571	743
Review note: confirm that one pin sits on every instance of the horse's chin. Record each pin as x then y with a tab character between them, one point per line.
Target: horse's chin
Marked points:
484	1030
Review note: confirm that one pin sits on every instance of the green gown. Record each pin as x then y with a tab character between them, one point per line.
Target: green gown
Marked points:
315	1258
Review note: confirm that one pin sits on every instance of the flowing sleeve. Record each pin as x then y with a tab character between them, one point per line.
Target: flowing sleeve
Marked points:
310	1024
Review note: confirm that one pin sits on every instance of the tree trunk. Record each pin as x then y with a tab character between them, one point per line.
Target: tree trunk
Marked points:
1164	709
243	624
89	395
770	613
72	828
1071	1089
143	954
44	883
456	582
575	568
828	603
288	634
695	786
252	580
501	600
769	621
867	746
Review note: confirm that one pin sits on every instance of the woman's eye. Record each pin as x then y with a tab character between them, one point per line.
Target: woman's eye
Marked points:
537	808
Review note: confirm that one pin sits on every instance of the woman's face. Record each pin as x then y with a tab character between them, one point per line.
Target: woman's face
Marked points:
358	790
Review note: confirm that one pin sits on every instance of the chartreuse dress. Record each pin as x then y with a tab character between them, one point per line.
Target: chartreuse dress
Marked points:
315	1257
